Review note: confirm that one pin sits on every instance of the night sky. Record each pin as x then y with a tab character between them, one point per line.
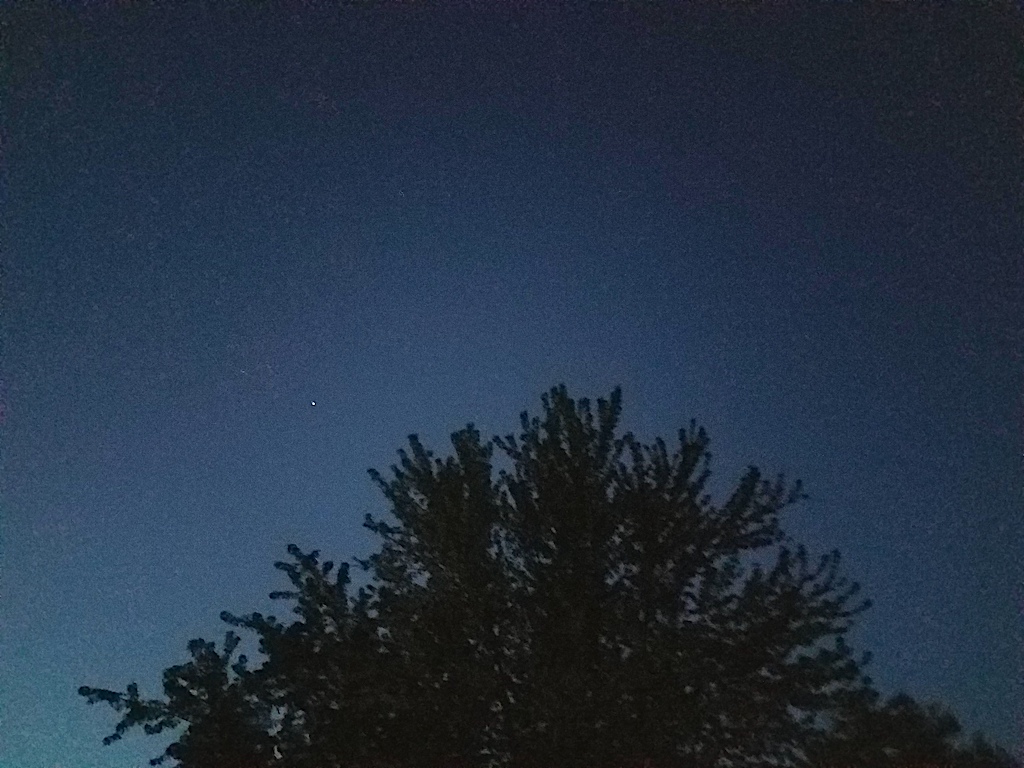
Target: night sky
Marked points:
798	229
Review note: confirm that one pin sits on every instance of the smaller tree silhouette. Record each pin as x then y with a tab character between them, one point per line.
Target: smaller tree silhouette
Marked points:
226	726
902	732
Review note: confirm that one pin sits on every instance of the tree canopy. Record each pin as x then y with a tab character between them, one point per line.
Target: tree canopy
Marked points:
561	598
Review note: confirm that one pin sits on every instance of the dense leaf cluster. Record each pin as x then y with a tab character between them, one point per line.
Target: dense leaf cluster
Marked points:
567	597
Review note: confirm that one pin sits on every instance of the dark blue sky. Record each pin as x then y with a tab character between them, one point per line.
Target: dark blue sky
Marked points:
801	231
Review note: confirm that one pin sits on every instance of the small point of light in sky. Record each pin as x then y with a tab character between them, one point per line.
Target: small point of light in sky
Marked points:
312	402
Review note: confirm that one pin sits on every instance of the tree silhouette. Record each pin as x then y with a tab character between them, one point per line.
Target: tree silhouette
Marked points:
227	728
567	597
902	732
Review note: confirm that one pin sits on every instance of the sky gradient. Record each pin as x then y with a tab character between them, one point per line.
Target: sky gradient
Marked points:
801	231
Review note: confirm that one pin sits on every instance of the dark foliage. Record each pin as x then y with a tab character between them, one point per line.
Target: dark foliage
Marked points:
902	732
567	597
